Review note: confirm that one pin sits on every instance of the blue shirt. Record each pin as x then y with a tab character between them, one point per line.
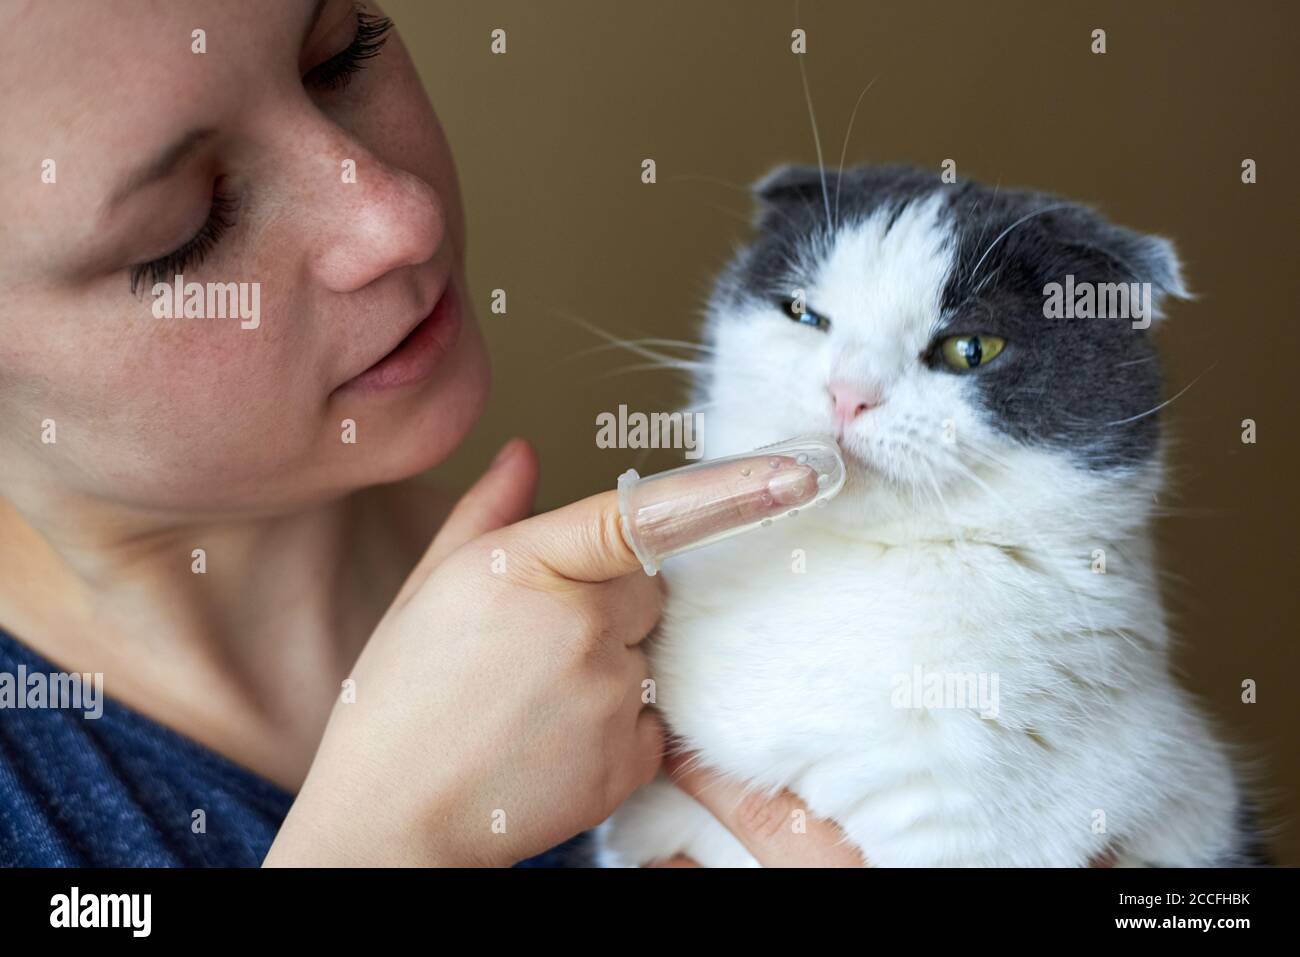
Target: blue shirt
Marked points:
121	790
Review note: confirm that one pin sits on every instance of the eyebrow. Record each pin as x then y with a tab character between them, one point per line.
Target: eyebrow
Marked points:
166	162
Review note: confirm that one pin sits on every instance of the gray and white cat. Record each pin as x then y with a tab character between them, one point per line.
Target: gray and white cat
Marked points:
963	659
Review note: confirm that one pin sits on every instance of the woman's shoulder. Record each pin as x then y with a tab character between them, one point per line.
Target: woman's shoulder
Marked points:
86	781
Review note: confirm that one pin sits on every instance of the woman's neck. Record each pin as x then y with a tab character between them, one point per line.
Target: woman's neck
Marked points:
242	646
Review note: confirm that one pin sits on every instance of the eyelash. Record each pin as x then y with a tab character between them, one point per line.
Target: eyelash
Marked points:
334	74
165	268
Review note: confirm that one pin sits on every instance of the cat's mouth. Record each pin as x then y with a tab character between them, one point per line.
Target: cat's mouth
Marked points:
857	460
864	466
854	449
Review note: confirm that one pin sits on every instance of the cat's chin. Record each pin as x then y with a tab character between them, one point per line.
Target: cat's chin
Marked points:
865	481
871	484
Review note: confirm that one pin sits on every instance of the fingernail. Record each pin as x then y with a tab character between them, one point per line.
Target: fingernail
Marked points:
793	486
703	503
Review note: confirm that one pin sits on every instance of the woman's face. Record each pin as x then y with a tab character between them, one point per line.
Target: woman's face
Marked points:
325	196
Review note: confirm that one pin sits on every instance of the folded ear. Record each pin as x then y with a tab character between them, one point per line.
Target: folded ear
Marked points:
789	182
853	191
1156	261
1138	256
787	193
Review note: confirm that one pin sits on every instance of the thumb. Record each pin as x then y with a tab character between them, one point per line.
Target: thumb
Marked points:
502	496
582	541
673	511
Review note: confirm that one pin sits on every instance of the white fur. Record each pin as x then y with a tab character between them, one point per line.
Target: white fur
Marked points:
966	556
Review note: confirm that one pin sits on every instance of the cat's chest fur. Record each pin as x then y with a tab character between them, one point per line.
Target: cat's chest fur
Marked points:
811	635
947	702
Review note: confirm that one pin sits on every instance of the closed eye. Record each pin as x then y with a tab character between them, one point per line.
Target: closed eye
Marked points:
221	217
336	72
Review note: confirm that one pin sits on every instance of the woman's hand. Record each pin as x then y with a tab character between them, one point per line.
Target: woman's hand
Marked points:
765	825
497	708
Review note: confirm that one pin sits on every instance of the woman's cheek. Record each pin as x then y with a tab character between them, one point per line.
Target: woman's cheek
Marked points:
202	404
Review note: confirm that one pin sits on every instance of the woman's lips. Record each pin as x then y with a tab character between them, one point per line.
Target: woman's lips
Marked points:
416	356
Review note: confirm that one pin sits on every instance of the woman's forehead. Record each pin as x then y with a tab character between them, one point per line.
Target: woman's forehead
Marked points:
98	89
81	65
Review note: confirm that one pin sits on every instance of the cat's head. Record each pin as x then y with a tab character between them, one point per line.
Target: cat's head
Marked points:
940	331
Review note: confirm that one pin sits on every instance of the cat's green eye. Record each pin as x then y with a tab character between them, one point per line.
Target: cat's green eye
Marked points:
969	352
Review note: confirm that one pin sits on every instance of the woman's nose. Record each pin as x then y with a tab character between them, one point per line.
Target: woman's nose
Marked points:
851	400
387	219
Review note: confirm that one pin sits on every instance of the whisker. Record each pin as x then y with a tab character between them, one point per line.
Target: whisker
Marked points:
623	344
1152	411
1134	362
1002	235
648	366
844	148
618	342
817	140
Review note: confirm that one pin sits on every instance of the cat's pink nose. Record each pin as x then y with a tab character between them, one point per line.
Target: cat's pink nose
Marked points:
850	401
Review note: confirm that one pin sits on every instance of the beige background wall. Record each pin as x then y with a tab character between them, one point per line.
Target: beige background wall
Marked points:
549	139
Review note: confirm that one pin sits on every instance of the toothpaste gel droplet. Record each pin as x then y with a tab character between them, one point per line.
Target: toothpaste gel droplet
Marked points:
706	502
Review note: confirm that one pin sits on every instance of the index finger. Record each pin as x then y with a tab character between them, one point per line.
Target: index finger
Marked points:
686	508
612	534
776	828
